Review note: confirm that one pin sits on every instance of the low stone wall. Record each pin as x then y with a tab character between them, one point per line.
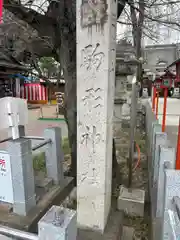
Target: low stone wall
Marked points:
164	187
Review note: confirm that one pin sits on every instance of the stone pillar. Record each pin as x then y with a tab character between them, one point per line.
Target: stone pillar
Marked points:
22	175
96	52
156	127
160	140
166	154
54	154
58	223
171	189
21	131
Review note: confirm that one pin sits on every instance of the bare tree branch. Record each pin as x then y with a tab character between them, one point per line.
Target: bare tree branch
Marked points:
152	18
33	18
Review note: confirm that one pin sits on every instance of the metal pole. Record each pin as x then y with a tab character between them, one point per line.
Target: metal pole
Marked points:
164	110
5	140
17	233
41	144
154	97
132	128
34	138
178	149
157	104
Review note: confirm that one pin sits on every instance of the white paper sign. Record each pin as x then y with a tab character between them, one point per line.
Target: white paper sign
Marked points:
6	190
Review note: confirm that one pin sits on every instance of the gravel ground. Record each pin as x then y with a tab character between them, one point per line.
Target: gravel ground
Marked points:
140	178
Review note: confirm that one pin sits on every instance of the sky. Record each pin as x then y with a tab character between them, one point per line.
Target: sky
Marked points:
164	34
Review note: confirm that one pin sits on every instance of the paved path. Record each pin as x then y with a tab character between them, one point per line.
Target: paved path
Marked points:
172	118
36	127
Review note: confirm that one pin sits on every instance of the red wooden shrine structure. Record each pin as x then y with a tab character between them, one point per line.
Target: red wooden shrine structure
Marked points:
177	66
165	80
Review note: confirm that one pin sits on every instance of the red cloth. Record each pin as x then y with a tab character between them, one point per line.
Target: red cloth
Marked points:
1	10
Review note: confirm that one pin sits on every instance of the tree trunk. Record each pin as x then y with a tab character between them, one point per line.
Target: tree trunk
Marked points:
69	68
138	53
70	115
137	28
139	37
67	57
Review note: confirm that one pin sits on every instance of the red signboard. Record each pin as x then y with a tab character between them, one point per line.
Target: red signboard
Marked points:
2	163
166	83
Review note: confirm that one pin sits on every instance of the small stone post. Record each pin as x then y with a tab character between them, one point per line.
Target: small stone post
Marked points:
22	175
58	223
54	154
166	154
171	189
155	128
160	139
21	130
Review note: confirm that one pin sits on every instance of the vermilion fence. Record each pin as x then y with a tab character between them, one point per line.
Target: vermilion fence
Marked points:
34	92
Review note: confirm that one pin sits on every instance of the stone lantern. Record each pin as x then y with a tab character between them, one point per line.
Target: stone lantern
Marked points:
176	84
126	64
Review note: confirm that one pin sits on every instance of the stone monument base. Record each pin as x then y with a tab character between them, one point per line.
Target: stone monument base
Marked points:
131	201
55	196
113	229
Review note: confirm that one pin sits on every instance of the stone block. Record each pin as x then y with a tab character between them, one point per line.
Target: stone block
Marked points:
160	140
131	201
58	223
156	127
45	183
166	154
171	189
22	175
54	155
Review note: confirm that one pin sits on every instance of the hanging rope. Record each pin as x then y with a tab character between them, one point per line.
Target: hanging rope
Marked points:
139	157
